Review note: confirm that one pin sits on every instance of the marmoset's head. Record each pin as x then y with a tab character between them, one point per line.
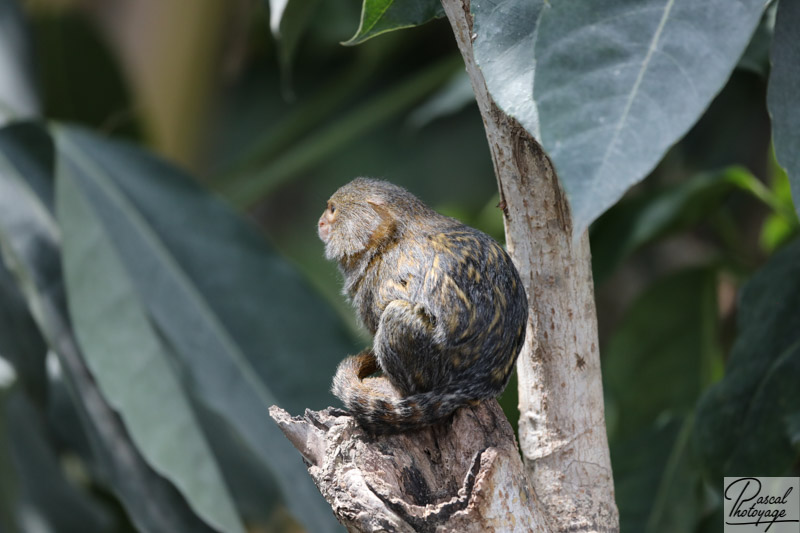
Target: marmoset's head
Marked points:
364	214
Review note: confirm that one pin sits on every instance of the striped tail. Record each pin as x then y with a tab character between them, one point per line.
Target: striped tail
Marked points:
378	405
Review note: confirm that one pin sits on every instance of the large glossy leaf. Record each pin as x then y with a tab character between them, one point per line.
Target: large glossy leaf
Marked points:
662	354
130	363
783	95
746	423
505	39
17	90
29	239
380	16
247	330
608	86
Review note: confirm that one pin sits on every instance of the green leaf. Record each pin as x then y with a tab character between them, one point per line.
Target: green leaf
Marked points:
381	16
782	224
17	88
638	220
129	362
775	232
661	356
743	422
658	488
617	82
29	240
237	316
505	34
783	93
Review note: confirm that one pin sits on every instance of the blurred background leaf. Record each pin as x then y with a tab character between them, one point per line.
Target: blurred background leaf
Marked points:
127	358
658	488
781	225
751	410
643	218
664	352
29	239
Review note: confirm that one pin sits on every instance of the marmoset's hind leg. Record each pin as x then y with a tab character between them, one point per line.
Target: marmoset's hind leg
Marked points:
405	348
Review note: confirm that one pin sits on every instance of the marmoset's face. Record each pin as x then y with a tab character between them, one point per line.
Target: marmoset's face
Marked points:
326	221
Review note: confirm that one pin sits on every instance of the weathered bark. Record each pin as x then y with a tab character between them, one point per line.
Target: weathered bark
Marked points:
465	475
562	423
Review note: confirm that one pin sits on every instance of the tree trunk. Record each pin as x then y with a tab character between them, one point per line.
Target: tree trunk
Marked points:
466	475
562	423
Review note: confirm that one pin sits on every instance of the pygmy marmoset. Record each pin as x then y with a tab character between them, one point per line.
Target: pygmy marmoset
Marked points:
444	302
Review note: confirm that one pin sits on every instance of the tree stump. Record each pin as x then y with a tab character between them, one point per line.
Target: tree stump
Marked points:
463	475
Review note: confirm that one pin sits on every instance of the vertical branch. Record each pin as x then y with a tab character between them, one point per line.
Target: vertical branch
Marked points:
562	423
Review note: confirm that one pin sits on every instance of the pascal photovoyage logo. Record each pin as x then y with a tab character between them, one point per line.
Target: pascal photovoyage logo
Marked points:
762	504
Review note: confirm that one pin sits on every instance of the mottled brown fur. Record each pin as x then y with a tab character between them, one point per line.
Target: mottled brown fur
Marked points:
444	302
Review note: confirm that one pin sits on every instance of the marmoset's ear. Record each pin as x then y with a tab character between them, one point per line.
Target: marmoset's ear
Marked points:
379	206
376	201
